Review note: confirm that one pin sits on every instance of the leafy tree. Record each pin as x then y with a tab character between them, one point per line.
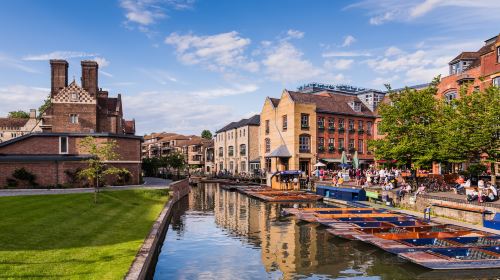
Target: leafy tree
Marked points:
19	114
97	169
176	160
206	134
150	166
46	104
409	123
470	127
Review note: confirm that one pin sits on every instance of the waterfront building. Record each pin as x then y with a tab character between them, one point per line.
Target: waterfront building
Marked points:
317	124
75	112
236	146
14	127
479	69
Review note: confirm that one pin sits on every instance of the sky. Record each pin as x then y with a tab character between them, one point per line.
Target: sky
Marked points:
188	65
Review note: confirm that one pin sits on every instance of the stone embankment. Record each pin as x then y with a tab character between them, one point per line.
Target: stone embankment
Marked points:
144	262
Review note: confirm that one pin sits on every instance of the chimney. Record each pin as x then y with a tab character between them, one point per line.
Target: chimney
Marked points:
89	77
32	113
59	75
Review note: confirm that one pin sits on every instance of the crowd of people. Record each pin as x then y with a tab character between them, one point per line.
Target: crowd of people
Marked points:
392	179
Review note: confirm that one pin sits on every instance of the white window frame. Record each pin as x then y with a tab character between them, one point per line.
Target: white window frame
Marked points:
496	81
75	116
60	145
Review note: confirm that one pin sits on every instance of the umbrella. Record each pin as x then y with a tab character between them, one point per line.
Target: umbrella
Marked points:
355	160
343	158
319	164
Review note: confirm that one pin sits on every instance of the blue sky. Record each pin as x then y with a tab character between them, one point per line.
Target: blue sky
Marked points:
187	65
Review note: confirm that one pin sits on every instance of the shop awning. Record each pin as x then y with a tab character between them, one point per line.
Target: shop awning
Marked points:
337	160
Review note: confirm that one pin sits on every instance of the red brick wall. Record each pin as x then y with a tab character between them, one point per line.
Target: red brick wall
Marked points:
326	134
86	117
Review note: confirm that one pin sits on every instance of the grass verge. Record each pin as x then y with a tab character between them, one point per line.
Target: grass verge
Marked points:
68	236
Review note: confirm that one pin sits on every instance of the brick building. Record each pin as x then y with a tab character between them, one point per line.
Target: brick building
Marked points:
480	69
75	112
304	127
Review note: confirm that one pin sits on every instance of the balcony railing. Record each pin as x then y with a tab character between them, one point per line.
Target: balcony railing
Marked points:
361	131
304	126
321	126
341	149
341	130
331	129
351	130
321	149
308	150
331	149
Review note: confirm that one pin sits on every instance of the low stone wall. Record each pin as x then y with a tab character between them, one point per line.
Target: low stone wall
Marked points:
144	261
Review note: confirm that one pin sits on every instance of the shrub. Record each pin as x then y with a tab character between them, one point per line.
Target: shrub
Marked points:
24	175
11	183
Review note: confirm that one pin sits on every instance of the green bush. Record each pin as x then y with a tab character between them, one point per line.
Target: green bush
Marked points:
24	175
11	183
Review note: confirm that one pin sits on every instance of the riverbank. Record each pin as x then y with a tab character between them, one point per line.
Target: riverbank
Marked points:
68	236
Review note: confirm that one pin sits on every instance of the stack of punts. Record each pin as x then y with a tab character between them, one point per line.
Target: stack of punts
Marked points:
435	246
283	196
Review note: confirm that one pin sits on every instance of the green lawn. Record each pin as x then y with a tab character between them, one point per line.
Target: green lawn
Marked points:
68	236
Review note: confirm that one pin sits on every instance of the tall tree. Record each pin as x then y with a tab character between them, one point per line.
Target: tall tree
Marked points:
470	126
97	169
206	134
409	123
19	114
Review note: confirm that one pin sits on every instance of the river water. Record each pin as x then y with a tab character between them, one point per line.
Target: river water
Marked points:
218	234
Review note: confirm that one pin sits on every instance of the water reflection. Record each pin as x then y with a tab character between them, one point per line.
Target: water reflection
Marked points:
217	234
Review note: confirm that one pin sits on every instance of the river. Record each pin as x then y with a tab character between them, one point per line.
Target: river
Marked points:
218	234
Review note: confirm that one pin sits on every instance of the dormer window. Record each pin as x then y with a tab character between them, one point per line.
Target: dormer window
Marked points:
356	106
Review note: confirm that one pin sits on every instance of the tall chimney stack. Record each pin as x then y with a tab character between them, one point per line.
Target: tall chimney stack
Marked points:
89	77
59	75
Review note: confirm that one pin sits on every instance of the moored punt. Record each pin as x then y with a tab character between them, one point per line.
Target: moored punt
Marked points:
356	233
295	211
456	258
284	196
319	218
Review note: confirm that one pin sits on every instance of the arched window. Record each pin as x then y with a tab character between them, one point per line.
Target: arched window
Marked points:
449	96
304	143
230	151
243	149
268	145
221	151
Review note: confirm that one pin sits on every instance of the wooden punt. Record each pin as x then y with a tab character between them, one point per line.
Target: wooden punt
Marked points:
456	258
281	196
463	239
354	233
296	211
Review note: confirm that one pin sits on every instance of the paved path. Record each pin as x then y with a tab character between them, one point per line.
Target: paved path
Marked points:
149	183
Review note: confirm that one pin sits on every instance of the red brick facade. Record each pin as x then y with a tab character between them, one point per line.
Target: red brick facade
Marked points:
74	113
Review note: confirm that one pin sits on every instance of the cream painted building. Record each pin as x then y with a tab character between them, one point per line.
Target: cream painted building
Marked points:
236	147
14	127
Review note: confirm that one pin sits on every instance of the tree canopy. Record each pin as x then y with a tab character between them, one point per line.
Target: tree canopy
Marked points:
19	114
420	128
206	134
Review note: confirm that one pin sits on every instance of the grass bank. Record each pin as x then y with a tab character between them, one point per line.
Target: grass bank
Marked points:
68	236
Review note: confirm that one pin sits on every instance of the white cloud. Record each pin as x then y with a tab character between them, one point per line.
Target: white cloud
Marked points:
295	34
160	76
339	64
285	63
348	40
101	61
6	61
175	111
222	92
381	81
215	52
391	51
472	12
148	12
345	54
107	74
20	97
59	55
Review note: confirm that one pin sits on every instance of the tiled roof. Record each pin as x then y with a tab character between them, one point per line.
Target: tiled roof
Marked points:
13	122
488	47
254	120
332	103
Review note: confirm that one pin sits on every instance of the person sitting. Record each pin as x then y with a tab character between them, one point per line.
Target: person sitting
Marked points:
491	194
340	181
420	190
459	185
472	196
334	180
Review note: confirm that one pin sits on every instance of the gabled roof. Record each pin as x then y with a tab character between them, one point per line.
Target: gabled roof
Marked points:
13	122
129	127
254	120
275	101
331	103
